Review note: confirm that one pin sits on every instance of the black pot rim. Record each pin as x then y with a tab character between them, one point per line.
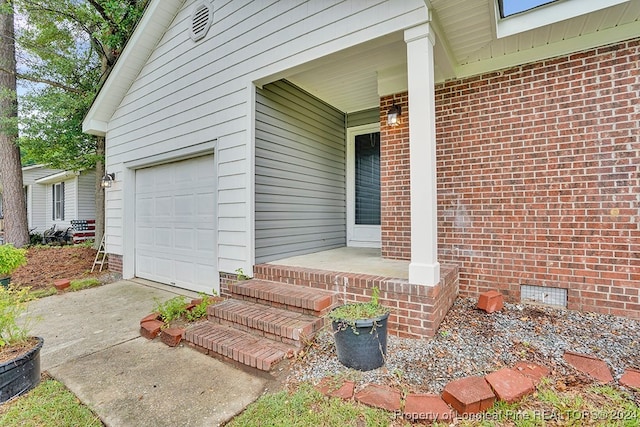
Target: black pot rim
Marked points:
362	323
25	356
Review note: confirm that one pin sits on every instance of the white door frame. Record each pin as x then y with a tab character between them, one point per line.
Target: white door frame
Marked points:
364	236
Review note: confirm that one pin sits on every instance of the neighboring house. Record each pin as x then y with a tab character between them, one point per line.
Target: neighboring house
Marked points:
57	197
246	132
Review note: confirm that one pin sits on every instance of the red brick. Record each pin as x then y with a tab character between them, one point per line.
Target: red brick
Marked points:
172	336
469	395
148	317
380	397
631	378
426	407
532	370
510	385
590	365
491	301
62	284
336	388
150	329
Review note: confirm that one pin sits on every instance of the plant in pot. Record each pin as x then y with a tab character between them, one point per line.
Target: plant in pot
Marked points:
10	259
360	331
19	352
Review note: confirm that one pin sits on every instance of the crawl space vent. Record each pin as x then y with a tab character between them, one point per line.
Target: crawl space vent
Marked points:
201	18
556	297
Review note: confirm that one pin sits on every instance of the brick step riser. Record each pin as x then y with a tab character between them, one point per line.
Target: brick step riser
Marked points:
298	276
334	303
206	343
297	343
288	328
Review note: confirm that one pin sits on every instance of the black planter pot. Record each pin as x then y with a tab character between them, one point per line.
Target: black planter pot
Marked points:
363	346
21	374
5	281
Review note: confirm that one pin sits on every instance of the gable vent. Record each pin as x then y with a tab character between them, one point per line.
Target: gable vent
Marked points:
201	18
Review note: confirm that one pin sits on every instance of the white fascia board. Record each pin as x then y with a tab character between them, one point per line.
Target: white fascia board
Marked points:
28	168
565	47
94	127
548	14
57	177
156	19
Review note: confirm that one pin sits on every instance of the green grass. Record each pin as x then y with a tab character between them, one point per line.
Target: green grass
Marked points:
42	293
49	404
598	405
80	284
308	407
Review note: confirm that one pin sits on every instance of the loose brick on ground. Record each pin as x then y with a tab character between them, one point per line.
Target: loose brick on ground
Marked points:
491	301
631	378
380	397
150	329
510	385
172	336
426	407
469	395
590	365
532	370
148	317
62	284
336	388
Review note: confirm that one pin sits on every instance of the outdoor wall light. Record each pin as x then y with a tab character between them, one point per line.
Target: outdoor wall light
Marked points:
107	180
393	115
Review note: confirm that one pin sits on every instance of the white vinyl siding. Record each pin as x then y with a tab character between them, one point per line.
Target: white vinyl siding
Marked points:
189	93
38	211
86	195
300	174
365	117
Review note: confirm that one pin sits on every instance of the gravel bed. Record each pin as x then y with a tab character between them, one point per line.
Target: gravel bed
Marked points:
472	342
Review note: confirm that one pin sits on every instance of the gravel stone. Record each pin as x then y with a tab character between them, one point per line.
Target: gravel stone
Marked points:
472	342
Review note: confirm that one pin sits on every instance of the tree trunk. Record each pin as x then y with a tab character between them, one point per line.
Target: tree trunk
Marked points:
100	192
13	196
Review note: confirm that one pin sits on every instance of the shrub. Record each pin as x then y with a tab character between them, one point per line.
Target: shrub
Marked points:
171	309
11	258
13	303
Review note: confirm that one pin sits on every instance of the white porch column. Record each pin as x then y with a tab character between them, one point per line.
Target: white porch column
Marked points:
424	267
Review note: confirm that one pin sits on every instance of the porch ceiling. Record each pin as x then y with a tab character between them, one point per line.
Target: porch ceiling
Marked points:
466	44
348	80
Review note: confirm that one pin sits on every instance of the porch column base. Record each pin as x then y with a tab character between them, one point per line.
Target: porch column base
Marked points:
424	274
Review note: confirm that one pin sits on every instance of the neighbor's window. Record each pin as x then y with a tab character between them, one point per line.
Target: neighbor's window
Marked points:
512	7
58	202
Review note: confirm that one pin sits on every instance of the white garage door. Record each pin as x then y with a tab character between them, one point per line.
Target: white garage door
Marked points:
175	240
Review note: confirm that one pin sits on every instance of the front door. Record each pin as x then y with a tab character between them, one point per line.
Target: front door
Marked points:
363	186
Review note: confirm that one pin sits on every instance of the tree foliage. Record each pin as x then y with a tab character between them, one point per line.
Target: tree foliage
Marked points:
66	50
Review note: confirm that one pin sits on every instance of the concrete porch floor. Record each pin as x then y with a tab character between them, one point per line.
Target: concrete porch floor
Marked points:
350	260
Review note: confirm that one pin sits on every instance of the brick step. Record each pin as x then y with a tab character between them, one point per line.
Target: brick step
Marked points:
271	322
303	299
232	344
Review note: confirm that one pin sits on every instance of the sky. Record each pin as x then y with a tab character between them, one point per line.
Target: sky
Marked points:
511	7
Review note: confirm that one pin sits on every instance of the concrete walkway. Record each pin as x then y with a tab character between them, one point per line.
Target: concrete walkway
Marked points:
92	345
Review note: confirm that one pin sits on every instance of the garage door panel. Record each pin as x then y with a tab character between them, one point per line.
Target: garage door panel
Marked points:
163	237
184	238
176	224
206	240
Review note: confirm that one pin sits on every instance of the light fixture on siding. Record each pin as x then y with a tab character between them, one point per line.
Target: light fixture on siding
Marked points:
393	115
107	180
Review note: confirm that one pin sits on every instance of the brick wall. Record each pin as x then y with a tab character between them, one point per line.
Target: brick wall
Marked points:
416	310
395	198
539	178
115	263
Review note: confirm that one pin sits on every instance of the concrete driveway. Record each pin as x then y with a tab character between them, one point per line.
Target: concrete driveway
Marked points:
92	344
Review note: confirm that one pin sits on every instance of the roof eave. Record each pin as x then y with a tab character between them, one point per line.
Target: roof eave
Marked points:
156	19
